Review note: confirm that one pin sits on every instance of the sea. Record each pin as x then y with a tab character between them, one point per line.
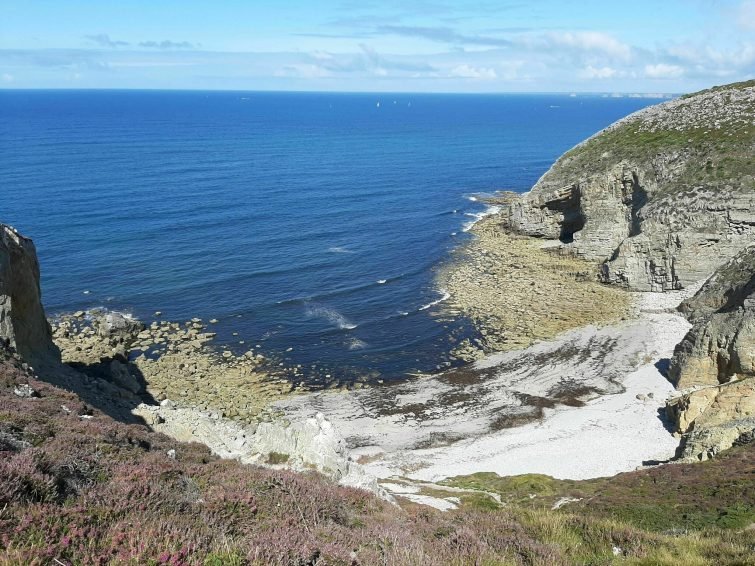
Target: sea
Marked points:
310	225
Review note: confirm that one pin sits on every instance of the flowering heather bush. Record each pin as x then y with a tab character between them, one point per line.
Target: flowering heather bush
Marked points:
79	490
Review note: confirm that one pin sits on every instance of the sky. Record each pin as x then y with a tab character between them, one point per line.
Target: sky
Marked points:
640	46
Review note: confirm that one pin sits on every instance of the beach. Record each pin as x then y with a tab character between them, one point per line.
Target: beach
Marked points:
587	401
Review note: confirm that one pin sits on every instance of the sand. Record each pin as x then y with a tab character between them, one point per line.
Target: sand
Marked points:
433	428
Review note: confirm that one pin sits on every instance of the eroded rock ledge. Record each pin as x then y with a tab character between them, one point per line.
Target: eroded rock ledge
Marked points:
715	363
661	198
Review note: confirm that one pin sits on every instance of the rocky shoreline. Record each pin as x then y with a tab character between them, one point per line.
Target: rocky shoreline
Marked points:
574	288
519	290
170	360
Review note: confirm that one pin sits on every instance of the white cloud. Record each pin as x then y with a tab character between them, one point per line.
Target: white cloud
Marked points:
591	41
746	15
663	71
8	78
591	72
469	72
303	71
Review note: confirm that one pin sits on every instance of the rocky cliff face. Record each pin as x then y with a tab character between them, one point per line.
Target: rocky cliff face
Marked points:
661	198
715	363
721	345
23	325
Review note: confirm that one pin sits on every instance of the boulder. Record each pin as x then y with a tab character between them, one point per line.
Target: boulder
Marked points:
118	328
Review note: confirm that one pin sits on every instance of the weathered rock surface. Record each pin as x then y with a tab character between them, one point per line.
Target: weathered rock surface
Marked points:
306	445
662	197
23	325
714	419
716	360
118	328
720	347
517	292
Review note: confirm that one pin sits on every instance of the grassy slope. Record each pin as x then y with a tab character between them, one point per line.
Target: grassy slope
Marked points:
717	155
677	497
95	491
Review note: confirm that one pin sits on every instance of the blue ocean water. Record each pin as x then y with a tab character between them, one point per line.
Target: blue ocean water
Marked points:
305	221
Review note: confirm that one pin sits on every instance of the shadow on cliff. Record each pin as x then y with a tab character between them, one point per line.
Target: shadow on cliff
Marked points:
663	366
112	386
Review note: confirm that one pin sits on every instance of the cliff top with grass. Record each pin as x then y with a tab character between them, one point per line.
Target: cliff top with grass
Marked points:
705	138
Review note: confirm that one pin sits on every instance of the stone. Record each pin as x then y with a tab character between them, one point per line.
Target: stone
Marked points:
714	365
123	378
303	446
118	328
25	391
721	343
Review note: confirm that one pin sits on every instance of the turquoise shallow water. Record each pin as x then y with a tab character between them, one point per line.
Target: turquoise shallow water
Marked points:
304	221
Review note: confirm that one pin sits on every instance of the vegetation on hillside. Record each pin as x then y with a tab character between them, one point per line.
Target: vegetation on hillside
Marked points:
709	135
77	487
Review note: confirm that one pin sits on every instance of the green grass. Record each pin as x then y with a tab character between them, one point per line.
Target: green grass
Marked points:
716	494
710	156
276	458
102	492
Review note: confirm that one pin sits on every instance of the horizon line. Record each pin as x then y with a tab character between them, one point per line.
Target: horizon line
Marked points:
376	92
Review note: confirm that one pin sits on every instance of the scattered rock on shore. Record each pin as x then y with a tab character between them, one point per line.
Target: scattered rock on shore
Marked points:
170	360
517	293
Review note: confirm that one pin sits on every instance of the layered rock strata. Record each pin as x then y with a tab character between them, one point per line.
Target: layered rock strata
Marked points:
662	198
715	363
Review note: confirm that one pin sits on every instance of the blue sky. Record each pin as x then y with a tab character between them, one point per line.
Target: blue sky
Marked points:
386	45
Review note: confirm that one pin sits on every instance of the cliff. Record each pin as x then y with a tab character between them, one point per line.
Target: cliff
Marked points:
661	198
23	325
715	363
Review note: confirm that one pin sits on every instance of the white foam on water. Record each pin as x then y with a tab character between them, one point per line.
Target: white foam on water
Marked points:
479	216
331	315
445	296
357	344
340	250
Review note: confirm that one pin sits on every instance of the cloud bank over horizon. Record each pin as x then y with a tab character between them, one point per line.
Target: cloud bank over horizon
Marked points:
419	46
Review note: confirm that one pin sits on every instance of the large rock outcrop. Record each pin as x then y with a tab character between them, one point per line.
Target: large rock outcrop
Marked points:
714	365
23	325
311	444
721	344
661	198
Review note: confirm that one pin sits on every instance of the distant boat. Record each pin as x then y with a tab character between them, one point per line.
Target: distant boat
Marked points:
378	105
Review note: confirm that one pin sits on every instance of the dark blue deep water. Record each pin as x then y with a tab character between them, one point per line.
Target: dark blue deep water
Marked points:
311	221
